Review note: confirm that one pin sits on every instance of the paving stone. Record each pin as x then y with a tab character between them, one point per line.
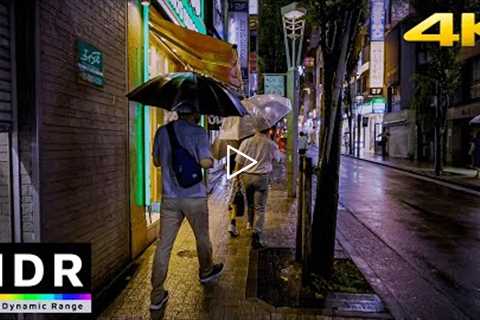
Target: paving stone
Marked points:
226	299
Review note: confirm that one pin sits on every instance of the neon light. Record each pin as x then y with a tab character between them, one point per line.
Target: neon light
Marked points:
146	111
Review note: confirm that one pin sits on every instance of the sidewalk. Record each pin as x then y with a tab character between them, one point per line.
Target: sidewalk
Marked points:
227	298
462	177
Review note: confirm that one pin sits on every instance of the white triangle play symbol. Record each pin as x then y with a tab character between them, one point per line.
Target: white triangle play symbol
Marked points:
251	164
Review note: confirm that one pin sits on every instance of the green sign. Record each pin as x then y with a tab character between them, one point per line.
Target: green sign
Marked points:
274	84
187	13
90	63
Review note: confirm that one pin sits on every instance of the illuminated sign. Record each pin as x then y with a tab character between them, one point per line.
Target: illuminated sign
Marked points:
253	7
238	33
377	20
274	84
377	68
186	13
377	45
218	21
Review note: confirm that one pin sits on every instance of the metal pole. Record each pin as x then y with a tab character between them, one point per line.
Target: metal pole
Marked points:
294	52
300	208
302	29
285	36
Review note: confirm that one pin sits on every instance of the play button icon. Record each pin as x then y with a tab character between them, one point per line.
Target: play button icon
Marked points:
250	159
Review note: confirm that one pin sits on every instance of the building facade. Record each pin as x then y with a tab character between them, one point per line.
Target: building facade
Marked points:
75	154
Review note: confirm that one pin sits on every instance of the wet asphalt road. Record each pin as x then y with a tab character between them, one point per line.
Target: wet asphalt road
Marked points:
422	239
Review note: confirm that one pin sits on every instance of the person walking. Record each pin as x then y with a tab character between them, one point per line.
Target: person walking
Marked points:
181	147
255	180
475	153
302	143
384	136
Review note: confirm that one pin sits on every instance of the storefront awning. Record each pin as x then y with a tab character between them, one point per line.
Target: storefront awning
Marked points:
203	54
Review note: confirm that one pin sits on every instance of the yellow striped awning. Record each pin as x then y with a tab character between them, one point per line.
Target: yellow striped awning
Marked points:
200	53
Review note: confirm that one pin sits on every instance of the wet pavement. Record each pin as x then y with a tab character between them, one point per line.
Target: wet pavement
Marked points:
464	177
230	298
419	239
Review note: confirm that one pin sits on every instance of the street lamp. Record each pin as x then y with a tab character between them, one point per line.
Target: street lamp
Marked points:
293	16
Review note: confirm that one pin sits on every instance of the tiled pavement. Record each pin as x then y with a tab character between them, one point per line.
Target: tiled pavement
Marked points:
227	298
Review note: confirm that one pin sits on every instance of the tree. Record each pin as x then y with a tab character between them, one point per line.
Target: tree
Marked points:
339	21
440	77
271	49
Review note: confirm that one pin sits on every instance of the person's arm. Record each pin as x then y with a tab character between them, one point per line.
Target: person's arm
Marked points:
239	160
156	149
204	154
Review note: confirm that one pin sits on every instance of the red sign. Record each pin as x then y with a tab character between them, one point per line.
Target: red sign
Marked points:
253	62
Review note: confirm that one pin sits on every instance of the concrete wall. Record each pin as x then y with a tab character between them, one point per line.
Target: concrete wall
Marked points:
84	132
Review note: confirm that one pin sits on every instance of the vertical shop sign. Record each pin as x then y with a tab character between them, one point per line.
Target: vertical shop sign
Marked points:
238	33
377	45
90	63
253	7
218	21
274	84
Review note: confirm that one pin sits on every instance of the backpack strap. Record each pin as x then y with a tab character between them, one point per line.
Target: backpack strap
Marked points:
172	136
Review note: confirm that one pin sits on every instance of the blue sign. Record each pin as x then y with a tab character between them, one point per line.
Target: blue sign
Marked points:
377	20
274	84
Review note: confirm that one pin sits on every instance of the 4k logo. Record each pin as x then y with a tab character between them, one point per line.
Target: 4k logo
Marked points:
446	36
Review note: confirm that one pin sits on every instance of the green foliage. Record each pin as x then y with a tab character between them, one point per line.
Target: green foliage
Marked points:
271	49
346	278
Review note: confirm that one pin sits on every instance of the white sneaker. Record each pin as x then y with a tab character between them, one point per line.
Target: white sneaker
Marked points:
249	226
232	229
161	304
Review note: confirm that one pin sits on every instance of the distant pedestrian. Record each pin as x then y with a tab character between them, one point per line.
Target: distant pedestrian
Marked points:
182	147
313	135
475	153
302	143
256	180
384	136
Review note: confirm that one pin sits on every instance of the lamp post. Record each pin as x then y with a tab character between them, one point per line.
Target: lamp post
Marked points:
293	16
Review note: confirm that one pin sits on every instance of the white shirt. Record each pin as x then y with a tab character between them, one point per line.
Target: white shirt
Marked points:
262	149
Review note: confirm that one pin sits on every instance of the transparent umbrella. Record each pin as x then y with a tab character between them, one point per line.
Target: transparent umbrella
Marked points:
264	112
474	122
267	110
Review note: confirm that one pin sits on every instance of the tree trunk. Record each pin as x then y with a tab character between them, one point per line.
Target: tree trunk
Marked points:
335	53
438	150
326	204
419	141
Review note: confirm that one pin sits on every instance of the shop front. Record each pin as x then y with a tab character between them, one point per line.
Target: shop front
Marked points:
159	42
370	126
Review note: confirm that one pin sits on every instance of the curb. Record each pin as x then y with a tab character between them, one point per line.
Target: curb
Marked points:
414	172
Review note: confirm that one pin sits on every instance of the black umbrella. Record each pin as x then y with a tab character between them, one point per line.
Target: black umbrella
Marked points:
206	95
